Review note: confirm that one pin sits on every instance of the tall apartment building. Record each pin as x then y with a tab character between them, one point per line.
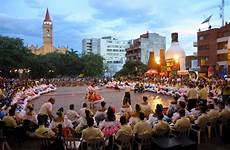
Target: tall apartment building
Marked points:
140	47
212	50
111	49
91	46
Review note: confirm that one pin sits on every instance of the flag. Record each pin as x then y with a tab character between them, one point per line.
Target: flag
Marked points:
207	19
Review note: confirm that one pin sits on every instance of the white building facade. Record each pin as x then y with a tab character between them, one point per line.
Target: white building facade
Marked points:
140	48
111	49
91	46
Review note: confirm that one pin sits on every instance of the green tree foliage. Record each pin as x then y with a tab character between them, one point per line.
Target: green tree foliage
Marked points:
132	69
93	65
14	55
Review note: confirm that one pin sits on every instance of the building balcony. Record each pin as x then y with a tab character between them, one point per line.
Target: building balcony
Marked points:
222	39
222	51
133	48
223	63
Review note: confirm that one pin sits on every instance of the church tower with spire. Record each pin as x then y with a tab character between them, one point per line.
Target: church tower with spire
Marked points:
47	34
47	46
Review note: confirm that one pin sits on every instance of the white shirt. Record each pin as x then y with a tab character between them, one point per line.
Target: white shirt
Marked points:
82	112
45	108
72	115
127	88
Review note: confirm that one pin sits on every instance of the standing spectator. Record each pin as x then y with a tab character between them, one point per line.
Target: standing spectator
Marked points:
47	108
226	93
192	97
127	92
203	94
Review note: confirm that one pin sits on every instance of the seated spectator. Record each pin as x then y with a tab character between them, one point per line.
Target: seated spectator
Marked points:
82	110
10	120
159	110
100	114
202	120
135	116
172	108
72	114
3	113
176	115
142	127
125	129
183	122
145	107
126	108
213	114
83	121
42	131
59	119
109	126
195	112
224	112
30	114
91	132
161	127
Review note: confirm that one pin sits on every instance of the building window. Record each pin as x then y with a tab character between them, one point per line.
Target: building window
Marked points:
201	37
203	47
203	60
222	57
116	62
222	45
109	50
226	34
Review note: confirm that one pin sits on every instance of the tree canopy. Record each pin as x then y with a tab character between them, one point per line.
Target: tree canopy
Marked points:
132	69
14	56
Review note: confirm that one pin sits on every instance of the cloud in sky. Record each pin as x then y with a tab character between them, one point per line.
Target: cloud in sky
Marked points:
125	19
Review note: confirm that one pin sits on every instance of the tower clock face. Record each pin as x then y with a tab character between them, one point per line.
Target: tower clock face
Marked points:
48	33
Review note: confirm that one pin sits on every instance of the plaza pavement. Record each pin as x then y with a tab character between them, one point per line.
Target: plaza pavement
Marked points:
75	95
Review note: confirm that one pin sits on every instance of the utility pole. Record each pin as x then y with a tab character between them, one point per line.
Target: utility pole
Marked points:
222	12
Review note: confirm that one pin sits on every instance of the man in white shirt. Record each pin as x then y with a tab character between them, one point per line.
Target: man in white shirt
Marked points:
127	92
47	108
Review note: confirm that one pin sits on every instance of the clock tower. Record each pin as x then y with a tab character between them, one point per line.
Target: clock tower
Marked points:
47	34
47	46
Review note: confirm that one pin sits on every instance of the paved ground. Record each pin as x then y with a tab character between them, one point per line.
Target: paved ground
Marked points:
75	95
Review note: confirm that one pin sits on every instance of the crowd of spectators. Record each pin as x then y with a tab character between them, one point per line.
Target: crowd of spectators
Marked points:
195	109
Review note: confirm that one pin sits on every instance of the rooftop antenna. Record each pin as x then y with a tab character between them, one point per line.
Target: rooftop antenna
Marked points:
222	12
